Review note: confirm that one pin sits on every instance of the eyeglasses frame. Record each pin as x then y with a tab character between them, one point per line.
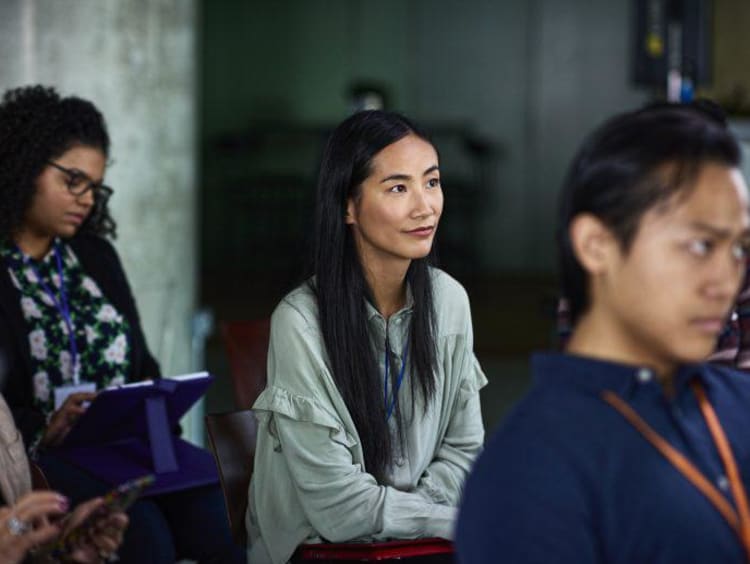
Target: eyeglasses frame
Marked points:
102	192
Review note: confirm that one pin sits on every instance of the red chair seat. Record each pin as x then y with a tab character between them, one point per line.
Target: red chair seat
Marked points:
417	550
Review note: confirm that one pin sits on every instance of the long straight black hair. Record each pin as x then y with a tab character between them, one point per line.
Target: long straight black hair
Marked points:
341	288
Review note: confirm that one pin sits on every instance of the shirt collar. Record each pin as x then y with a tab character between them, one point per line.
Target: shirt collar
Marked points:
12	252
595	375
372	311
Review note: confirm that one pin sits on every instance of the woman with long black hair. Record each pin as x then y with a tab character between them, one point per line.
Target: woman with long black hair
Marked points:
370	419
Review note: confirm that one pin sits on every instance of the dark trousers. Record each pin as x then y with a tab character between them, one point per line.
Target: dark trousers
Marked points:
164	528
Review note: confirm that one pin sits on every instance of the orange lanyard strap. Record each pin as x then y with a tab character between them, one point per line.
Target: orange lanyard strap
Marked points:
727	457
740	525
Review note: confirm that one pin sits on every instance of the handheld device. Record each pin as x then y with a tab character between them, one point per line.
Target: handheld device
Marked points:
124	495
117	499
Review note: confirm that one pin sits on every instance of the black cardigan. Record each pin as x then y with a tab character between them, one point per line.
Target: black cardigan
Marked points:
98	260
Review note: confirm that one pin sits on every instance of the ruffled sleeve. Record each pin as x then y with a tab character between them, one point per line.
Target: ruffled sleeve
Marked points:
310	480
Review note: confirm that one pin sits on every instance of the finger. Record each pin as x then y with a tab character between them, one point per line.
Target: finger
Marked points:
73	415
114	525
37	496
57	416
107	537
84	510
42	535
103	543
108	540
85	555
79	397
38	505
90	505
56	429
74	409
119	520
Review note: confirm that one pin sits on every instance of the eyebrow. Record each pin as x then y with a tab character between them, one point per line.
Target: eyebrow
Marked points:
399	176
717	232
77	170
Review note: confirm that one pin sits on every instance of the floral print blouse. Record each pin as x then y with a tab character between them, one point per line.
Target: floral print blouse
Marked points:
102	334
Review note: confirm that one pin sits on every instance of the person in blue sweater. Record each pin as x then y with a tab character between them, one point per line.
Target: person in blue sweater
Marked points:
628	446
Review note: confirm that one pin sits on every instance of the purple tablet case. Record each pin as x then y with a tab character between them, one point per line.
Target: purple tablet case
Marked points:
132	430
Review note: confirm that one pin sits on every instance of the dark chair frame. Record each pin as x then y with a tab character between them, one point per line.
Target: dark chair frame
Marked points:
231	438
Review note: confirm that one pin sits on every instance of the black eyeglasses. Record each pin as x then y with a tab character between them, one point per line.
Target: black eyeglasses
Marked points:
79	183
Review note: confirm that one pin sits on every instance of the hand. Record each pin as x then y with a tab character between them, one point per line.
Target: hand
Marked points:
32	512
99	538
63	419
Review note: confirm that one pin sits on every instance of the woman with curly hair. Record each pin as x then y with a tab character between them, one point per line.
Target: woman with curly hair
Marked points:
68	321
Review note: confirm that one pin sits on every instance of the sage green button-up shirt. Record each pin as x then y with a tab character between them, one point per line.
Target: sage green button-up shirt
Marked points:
309	482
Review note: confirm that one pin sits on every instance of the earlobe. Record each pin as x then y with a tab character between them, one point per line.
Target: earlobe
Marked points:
349	214
591	241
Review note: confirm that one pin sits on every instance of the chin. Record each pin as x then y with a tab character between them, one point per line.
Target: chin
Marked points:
697	354
418	256
67	232
421	253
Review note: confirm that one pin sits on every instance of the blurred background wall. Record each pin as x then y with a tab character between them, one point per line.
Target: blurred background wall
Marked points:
527	77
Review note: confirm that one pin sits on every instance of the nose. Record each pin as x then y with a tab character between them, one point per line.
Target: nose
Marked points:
727	275
86	199
422	205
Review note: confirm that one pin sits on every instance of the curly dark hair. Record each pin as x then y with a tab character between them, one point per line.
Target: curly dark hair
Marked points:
38	125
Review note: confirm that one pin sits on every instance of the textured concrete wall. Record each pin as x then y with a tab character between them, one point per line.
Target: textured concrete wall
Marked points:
136	60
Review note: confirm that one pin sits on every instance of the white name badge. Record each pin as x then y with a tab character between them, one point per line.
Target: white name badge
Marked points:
62	393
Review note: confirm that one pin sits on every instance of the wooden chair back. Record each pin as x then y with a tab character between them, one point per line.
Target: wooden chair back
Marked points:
246	344
232	441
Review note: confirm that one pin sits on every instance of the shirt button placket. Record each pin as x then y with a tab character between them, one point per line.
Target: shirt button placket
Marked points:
644	375
723	483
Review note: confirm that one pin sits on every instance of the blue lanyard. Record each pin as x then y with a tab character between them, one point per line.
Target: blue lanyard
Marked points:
399	379
61	305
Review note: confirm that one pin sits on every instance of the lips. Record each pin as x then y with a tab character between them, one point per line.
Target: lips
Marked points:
425	231
709	325
77	218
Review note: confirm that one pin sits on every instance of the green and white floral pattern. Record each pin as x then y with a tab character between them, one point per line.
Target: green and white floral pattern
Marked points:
102	334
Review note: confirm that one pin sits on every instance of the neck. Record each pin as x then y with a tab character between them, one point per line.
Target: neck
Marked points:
594	337
388	287
36	246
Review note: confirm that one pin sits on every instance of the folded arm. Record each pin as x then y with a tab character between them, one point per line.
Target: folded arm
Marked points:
343	502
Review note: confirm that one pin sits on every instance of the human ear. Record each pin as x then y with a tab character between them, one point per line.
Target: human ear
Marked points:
350	215
592	242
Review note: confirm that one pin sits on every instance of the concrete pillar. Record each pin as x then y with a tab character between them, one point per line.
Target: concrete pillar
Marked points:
136	60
